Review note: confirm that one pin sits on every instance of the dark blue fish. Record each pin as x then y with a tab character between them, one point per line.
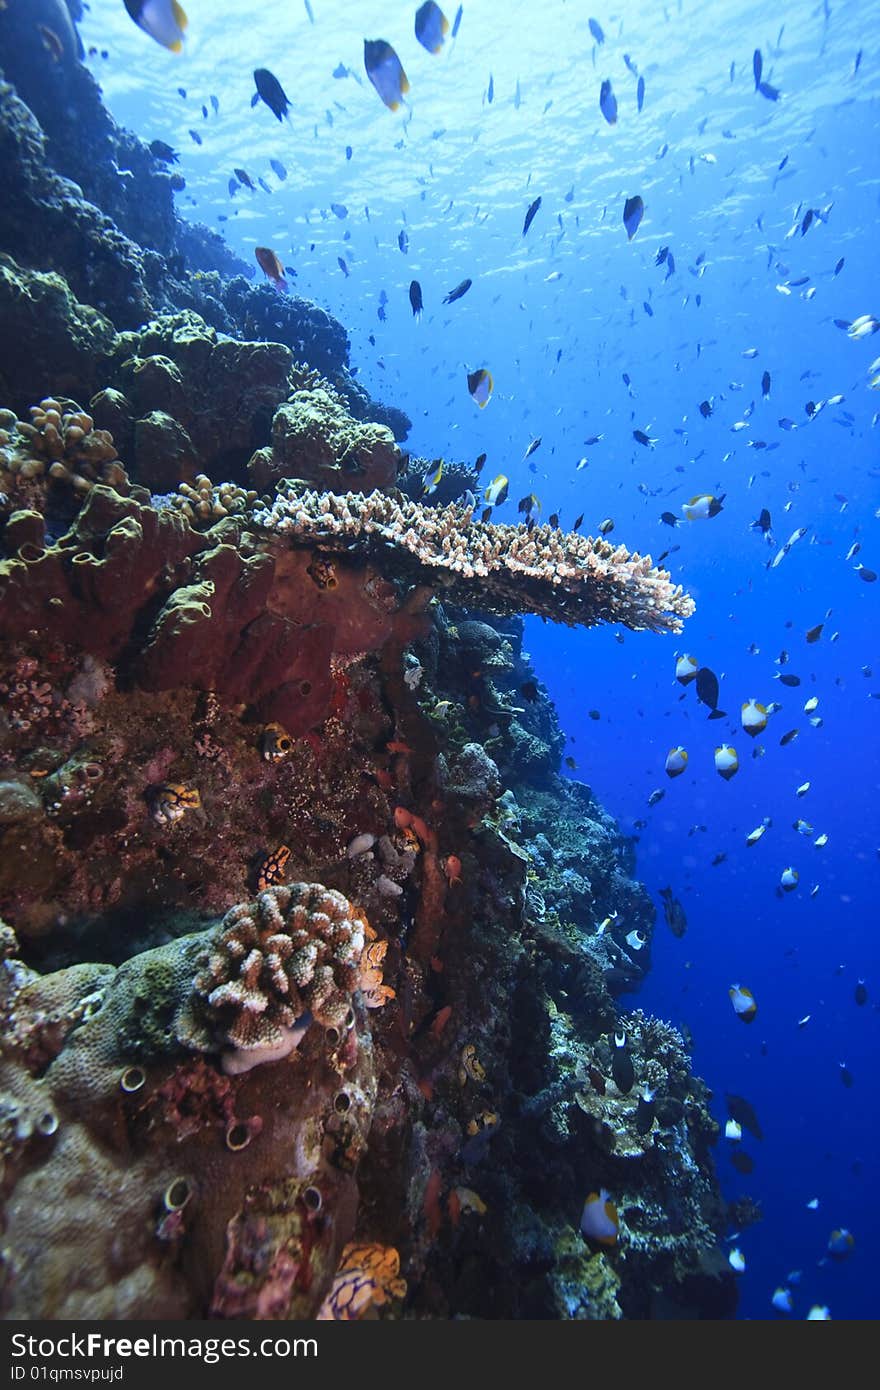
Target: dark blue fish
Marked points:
415	298
194	135
640	93
457	21
342	266
530	215
403	240
633	212
757	67
596	31
215	102
270	90
608	103
490	95
458	292
278	168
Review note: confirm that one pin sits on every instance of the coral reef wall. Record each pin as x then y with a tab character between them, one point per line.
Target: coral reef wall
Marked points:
314	971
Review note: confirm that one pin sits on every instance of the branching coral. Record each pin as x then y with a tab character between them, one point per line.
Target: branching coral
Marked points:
504	569
296	950
58	443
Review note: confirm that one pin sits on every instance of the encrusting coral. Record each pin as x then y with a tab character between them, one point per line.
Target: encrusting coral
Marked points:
503	569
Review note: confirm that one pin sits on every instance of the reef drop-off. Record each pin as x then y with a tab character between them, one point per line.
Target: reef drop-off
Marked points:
312	962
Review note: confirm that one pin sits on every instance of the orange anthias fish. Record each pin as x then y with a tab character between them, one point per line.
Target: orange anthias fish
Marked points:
271	266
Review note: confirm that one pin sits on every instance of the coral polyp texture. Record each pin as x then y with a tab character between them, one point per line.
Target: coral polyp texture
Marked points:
577	580
293	952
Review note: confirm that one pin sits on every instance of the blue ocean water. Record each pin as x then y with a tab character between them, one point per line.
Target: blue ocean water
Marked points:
586	335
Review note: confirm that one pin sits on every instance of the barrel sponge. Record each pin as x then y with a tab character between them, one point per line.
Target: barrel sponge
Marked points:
295	950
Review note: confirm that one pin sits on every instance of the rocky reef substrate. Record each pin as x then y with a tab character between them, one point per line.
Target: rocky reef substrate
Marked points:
315	973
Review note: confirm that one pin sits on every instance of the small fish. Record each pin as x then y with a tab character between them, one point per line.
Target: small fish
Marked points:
535	444
343	266
480	386
458	292
669	519
530	215
596	31
431	480
383	67
599	1219
673	912
633	212
278	169
753	717
685	668
702	506
432	26
496	492
605	526
737	1260
339	210
792	540
862	327
788	879
270	90
743	1001
457	21
271	266
656	795
782	1300
755	835
244	179
622	1069
415	298
726	761
608	102
529	505
195	137
164	20
676	761
640	93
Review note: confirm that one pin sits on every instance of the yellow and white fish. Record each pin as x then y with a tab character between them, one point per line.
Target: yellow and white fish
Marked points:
496	492
676	761
753	717
702	506
685	668
385	71
164	20
788	879
599	1220
726	761
432	26
743	1002
480	386
754	835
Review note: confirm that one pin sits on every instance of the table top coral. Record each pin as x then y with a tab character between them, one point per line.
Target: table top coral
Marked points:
572	579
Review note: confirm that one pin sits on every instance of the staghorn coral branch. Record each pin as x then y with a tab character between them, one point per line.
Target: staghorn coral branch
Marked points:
568	578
